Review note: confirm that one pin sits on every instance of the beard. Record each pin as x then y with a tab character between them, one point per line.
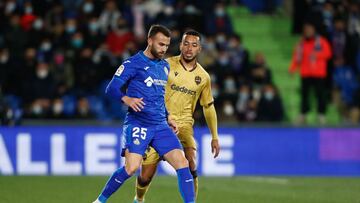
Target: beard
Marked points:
157	54
188	60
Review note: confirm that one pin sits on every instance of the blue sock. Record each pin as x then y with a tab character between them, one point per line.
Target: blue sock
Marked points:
186	185
113	184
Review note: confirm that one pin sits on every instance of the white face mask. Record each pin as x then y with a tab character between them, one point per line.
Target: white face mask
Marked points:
10	7
38	24
58	108
37	109
219	12
229	110
269	96
46	46
88	7
42	73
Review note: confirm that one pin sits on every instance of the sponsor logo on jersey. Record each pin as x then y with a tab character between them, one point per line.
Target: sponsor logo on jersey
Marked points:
119	70
197	80
147	67
149	82
176	73
183	89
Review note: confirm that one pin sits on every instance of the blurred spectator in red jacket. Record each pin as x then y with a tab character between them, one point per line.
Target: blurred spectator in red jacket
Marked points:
311	56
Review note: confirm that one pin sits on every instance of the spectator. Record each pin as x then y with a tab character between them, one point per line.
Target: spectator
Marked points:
40	92
260	73
118	38
346	85
270	107
311	55
239	56
218	21
108	20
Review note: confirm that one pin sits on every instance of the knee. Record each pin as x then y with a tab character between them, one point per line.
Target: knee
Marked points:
183	162
144	181
131	168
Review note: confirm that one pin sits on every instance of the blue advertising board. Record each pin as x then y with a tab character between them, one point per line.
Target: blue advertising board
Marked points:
61	150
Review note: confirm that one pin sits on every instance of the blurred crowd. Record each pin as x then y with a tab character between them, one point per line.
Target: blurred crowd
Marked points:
56	57
338	21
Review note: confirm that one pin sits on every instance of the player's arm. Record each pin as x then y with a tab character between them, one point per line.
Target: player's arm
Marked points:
114	89
207	102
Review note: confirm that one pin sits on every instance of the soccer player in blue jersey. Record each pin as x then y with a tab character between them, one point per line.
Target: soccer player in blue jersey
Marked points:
144	77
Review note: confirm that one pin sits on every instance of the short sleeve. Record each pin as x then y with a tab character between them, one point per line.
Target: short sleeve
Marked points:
125	71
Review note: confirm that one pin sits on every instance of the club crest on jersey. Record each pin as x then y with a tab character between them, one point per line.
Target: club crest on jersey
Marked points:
176	73
136	141
119	70
197	80
166	70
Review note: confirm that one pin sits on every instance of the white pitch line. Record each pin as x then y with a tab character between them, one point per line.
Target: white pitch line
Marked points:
270	180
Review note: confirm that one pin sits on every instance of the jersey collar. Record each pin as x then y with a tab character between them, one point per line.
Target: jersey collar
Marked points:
147	59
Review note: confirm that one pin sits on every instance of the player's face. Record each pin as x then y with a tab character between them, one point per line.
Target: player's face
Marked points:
190	47
159	44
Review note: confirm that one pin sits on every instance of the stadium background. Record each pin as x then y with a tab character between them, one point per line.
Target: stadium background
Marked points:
57	56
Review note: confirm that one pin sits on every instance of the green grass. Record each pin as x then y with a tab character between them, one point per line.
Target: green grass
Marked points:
50	189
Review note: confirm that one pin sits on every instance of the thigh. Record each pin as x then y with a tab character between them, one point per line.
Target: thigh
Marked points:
165	140
186	136
137	138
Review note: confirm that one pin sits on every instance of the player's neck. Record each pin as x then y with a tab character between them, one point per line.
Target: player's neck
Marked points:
148	54
188	65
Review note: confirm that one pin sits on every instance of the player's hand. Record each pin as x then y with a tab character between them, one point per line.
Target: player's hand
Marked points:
173	125
215	147
136	104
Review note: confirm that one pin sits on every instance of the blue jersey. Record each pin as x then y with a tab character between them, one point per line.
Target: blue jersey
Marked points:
145	78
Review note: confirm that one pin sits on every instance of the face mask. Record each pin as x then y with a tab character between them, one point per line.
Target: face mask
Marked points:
28	10
70	29
269	96
42	73
243	95
10	7
93	26
37	109
219	12
58	108
77	43
220	39
38	24
88	7
228	109
210	46
327	14
168	10
229	84
224	61
46	46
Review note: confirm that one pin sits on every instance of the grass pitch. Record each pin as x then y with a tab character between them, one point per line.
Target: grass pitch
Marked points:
50	189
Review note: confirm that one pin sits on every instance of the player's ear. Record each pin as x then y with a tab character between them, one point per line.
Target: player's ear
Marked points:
149	41
180	46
